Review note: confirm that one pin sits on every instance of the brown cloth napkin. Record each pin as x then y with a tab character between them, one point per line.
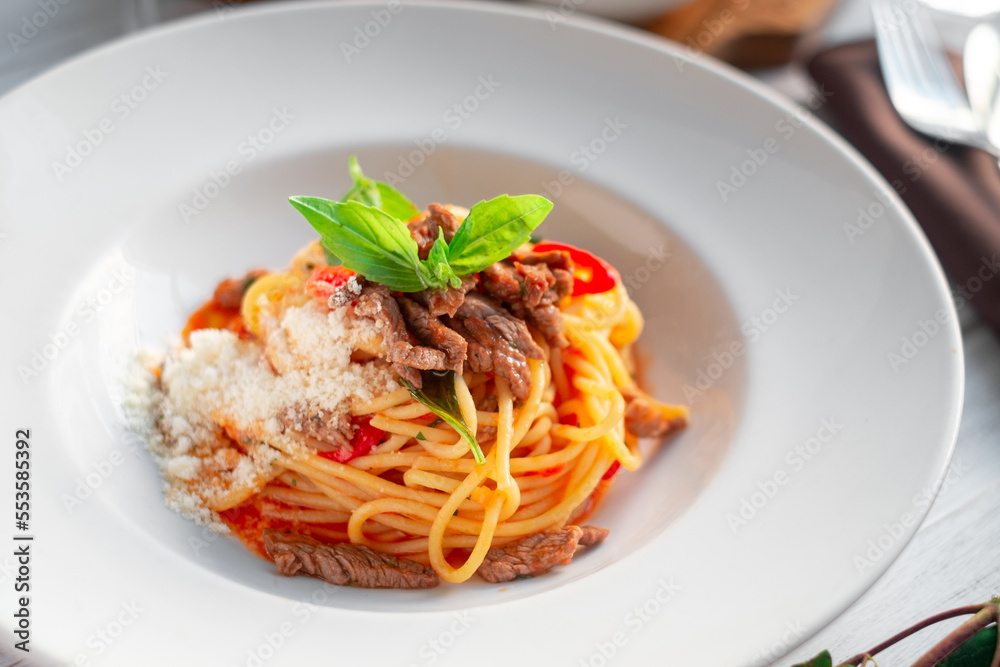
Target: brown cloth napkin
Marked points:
953	191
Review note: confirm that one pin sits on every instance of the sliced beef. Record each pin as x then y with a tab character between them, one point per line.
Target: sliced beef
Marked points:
494	353
532	287
648	418
433	333
500	281
425	229
331	431
498	342
344	564
408	360
229	293
554	259
547	318
593	535
536	280
537	554
446	301
514	330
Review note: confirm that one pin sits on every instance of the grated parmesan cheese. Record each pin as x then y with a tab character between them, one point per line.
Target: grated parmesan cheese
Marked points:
305	366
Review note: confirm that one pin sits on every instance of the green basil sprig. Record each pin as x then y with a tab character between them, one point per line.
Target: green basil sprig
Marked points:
378	194
438	394
367	233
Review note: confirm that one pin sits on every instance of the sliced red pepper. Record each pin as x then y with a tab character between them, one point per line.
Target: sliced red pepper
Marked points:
612	470
365	438
325	279
592	275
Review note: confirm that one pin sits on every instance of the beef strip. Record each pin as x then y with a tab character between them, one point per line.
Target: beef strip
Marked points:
344	564
425	229
229	293
537	554
645	416
431	332
501	282
495	353
332	431
532	287
554	259
498	342
446	301
536	280
514	331
592	535
408	360
547	318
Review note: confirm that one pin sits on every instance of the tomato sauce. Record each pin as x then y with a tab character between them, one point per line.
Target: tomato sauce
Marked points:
213	315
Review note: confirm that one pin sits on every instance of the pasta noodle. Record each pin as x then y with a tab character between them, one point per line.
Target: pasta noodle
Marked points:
416	489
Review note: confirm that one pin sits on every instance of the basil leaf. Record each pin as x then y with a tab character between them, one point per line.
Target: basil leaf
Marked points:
977	651
368	241
364	190
438	394
394	203
437	263
821	660
494	229
378	194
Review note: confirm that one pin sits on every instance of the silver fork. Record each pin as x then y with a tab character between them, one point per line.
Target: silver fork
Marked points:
919	78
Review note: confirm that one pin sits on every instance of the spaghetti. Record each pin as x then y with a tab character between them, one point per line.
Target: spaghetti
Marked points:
284	410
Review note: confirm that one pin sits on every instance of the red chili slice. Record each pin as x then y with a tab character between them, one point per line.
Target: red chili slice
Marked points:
612	470
592	275
326	279
365	438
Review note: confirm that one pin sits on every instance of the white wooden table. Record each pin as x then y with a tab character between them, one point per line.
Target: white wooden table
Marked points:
953	561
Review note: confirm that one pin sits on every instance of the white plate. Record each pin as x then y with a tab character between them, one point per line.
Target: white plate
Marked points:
99	256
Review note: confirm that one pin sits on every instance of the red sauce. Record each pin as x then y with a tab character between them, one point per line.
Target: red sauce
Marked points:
213	315
247	524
